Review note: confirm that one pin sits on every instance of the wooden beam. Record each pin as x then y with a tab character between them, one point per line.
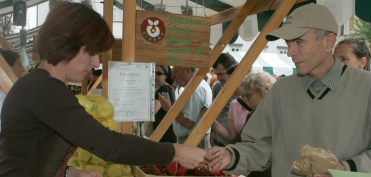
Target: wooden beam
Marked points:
106	56
196	80
239	73
4	43
96	83
278	2
8	78
230	14
128	46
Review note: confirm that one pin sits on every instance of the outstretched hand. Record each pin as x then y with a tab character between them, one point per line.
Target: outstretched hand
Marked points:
219	158
189	156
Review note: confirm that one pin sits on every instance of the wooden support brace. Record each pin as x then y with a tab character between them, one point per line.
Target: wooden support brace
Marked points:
239	73
7	76
230	14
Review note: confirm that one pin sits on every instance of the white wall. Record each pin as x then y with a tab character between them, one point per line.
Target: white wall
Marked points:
42	12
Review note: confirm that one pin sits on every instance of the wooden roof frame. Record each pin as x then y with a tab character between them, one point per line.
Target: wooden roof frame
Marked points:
249	8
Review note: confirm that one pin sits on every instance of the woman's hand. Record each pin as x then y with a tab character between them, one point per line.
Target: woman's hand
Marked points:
72	172
189	156
164	101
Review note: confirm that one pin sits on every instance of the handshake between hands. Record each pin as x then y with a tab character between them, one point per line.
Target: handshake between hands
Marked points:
216	158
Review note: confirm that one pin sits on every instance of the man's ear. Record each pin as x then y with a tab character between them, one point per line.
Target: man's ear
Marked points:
330	40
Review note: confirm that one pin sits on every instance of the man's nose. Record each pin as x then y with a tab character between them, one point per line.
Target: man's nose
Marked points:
291	51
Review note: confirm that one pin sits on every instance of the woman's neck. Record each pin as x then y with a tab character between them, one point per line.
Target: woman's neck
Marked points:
53	70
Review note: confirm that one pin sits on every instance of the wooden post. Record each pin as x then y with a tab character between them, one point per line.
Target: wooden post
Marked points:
128	45
84	86
106	56
240	72
196	80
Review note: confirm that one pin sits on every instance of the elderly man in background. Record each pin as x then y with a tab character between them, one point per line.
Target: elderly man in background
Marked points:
190	115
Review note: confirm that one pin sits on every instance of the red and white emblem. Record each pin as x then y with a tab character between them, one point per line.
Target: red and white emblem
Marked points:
153	29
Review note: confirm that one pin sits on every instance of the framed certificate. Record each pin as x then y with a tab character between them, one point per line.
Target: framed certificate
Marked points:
131	89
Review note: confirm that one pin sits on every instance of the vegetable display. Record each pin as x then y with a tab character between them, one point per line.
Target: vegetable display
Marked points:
102	110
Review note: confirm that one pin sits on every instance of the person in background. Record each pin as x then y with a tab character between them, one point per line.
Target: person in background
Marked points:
14	61
190	114
96	73
224	61
213	80
90	78
319	106
236	116
43	122
254	87
164	89
353	51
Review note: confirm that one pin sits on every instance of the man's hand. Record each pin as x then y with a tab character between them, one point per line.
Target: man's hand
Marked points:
72	172
218	157
338	166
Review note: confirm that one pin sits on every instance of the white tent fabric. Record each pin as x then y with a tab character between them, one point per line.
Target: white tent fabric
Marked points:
277	64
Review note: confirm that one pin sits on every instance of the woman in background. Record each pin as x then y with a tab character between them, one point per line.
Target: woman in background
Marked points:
14	61
353	51
254	87
164	81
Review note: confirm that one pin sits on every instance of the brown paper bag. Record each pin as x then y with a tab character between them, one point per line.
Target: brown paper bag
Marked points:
314	160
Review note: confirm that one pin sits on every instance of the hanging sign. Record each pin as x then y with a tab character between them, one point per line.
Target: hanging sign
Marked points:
171	39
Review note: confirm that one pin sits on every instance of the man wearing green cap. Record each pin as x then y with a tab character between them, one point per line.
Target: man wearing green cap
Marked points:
326	105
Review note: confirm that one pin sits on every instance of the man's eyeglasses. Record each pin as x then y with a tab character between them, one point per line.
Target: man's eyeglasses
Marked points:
249	95
159	73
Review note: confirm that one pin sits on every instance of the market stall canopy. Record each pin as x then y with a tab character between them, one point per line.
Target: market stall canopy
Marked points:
272	63
340	8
